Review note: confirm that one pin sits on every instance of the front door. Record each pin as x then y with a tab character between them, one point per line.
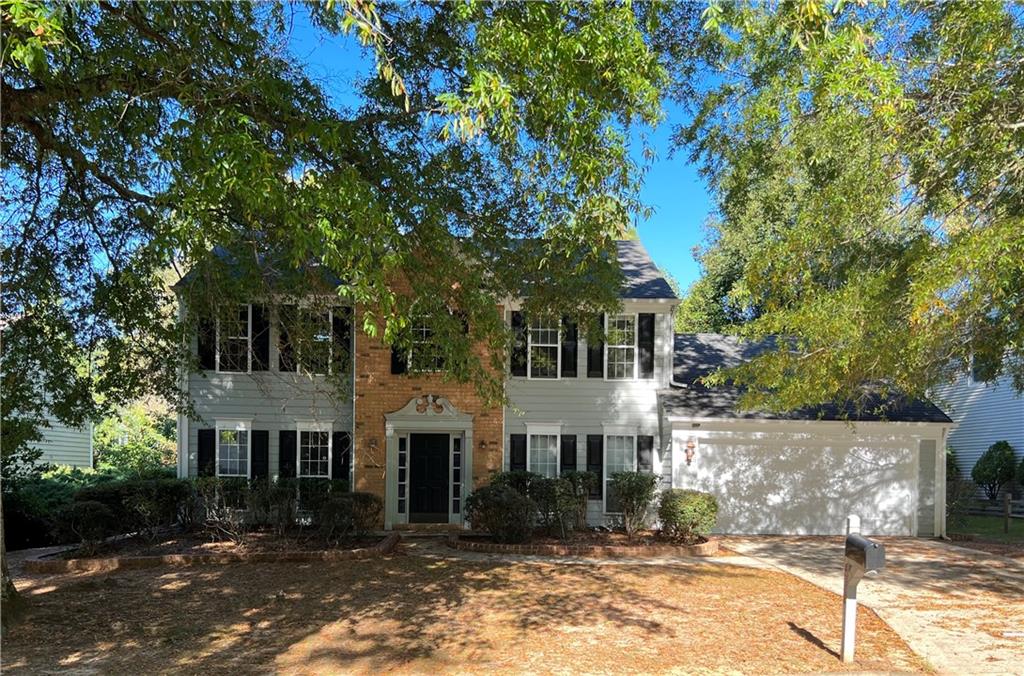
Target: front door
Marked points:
428	478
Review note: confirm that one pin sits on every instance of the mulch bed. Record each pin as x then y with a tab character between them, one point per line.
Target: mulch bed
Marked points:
410	614
590	543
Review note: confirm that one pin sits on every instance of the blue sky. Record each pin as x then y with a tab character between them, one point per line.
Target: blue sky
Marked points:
672	187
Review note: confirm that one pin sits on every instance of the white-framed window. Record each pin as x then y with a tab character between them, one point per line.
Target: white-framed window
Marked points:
310	337
620	350
234	340
424	355
234	448
542	454
314	450
619	456
544	354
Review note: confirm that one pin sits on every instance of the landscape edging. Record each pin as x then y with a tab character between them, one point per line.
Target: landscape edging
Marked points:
709	548
43	565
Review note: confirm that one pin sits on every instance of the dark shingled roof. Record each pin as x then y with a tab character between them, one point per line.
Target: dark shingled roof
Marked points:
698	354
643	279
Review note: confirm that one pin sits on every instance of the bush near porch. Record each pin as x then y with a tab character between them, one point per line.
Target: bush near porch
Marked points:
519	506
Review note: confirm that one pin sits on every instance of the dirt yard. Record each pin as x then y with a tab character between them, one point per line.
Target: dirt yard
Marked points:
414	614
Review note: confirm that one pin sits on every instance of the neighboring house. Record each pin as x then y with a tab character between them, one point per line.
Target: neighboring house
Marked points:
63	445
984	414
424	444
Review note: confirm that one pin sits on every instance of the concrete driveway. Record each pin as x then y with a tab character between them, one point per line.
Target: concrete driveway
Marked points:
960	609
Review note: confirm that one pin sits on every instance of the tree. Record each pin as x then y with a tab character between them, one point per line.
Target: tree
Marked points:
140	136
994	469
137	440
868	164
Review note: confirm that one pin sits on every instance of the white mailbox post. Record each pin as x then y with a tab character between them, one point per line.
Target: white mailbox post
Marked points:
862	557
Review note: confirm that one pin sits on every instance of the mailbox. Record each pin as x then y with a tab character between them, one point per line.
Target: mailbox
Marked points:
868	555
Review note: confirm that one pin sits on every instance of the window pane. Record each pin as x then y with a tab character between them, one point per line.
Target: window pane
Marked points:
543	362
425	355
315	344
620	456
544	454
314	458
233	452
234	339
621	351
621	361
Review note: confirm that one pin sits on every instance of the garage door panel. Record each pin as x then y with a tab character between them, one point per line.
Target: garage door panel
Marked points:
804	487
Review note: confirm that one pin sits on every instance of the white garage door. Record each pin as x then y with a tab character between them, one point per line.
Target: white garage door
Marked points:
786	479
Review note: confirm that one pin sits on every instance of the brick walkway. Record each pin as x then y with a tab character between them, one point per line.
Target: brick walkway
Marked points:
961	609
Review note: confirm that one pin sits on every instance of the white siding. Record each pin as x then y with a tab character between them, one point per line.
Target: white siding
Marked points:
272	400
806	478
583	405
63	445
984	414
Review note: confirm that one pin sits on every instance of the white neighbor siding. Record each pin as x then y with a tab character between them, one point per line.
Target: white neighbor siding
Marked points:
583	405
984	413
804	478
63	445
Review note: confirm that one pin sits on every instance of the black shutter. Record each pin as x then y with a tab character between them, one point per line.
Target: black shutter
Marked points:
260	454
207	331
517	452
645	453
595	355
569	341
260	338
341	457
595	463
206	454
518	361
285	350
645	341
341	327
286	461
568	455
399	361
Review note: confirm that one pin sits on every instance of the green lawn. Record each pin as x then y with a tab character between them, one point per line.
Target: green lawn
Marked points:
991	528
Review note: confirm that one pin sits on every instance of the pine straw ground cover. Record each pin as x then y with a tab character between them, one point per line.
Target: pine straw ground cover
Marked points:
415	614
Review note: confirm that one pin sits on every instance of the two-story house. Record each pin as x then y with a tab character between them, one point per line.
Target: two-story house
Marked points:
628	398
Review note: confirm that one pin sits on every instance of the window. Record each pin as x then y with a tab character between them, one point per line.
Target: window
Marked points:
232	449
542	454
545	348
307	340
619	456
314	452
424	355
620	349
234	340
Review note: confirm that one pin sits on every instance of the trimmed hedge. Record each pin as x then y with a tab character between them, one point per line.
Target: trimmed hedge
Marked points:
687	515
502	511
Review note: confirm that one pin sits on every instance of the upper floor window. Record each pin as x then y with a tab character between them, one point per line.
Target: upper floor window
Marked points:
232	449
309	340
234	339
544	348
621	348
424	355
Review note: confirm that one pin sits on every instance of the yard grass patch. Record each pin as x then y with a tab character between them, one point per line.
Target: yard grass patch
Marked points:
991	528
414	614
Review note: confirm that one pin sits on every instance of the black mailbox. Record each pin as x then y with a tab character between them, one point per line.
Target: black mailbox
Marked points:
867	554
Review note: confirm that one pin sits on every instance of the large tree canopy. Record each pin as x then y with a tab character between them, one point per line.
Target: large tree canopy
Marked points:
139	136
868	164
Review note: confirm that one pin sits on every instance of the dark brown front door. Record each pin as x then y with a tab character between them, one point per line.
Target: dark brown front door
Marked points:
428	478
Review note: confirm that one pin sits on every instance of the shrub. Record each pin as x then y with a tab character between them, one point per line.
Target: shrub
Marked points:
282	497
219	512
557	505
366	511
519	480
959	494
1020	472
505	513
88	520
313	492
952	466
582	484
140	505
994	468
632	493
335	517
687	515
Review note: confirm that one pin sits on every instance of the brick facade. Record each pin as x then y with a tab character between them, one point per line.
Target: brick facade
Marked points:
378	391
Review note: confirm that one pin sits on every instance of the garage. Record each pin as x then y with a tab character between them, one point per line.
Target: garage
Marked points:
802	472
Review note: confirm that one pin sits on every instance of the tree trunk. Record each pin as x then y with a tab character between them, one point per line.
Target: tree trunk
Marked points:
11	603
